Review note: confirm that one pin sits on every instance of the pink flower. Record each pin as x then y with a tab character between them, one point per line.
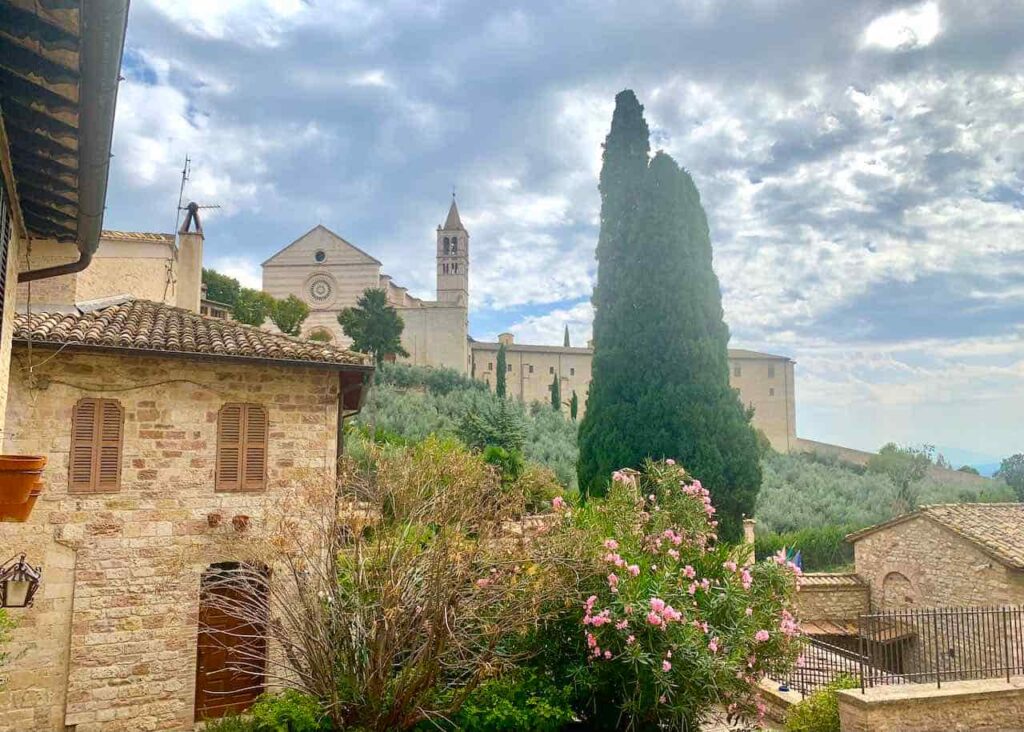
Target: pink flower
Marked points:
689	572
657	605
713	645
607	654
591	641
590	603
613	580
669	461
558	503
673	553
483	582
611	544
633	570
622	625
749	611
654	619
651	498
692	589
630	640
730	565
761	636
746	579
666	666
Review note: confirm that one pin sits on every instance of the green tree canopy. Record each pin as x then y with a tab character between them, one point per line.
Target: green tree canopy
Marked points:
220	287
1012	471
374	326
675	402
574	405
252	307
501	381
288	314
556	393
906	467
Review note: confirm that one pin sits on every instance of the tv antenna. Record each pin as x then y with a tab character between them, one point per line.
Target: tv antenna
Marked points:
192	209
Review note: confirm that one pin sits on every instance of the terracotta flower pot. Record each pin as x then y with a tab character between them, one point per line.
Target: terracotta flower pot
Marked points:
240	522
19	512
19	475
214	520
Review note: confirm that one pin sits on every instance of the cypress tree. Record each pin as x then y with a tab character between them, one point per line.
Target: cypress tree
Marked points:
556	394
574	405
660	297
565	338
500	383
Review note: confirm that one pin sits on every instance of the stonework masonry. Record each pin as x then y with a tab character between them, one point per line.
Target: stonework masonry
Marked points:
111	641
991	705
918	563
832	603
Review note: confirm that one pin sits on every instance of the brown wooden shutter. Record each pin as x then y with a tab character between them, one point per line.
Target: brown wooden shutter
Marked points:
97	441
229	448
254	463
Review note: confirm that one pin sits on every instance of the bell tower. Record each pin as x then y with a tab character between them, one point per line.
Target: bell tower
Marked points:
453	259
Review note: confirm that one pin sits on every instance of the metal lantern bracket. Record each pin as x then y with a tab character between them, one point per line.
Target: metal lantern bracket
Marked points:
18	582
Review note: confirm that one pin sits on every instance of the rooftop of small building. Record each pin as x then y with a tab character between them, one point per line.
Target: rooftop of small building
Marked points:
997	529
141	327
148	236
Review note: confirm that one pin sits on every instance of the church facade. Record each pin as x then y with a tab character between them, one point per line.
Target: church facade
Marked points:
329	274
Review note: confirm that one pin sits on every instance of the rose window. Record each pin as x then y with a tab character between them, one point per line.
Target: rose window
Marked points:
320	290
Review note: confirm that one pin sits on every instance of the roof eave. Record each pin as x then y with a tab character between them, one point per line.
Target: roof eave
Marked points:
103	28
193	356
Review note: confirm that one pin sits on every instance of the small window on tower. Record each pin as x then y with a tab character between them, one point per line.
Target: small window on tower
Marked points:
490	365
531	368
509	369
447	246
551	369
455	267
771	391
572	372
455	245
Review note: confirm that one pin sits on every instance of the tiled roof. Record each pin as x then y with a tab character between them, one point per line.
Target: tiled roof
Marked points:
995	528
138	236
830	579
141	325
746	353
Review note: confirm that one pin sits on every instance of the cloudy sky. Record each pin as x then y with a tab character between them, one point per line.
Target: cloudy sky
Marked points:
862	165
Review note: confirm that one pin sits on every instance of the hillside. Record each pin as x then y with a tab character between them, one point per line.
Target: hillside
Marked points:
798	492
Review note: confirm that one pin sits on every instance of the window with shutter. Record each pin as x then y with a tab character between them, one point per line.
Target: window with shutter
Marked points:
97	441
242	432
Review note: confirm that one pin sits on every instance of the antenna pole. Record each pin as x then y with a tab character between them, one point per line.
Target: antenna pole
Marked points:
181	191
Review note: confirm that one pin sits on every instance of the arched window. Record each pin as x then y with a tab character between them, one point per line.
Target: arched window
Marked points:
455	267
455	245
447	246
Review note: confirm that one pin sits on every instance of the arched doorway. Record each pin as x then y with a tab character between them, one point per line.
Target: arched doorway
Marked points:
231	653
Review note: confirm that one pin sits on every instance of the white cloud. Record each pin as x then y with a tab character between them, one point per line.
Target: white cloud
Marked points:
906	29
244	269
549	329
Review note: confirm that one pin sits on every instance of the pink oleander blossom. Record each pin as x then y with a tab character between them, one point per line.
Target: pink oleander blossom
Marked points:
666	666
730	565
654	619
611	544
689	572
633	570
761	636
713	645
657	604
558	503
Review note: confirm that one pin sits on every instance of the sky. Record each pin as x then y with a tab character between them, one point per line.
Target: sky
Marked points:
861	164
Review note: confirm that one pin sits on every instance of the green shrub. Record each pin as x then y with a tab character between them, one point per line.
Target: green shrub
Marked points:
527	700
286	712
820	711
510	463
438	381
822	548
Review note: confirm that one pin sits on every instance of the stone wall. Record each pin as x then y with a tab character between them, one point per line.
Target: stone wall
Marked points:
115	620
967	706
918	563
834	602
435	335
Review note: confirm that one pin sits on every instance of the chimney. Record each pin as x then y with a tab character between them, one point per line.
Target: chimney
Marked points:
748	539
506	338
190	261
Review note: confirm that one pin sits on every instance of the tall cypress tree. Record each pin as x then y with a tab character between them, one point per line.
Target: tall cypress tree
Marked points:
501	381
556	393
660	385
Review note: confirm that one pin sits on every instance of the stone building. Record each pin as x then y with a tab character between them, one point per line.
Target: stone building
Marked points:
329	273
948	555
153	419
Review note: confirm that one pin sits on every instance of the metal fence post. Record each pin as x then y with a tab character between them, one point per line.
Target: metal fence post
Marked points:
935	646
860	644
1006	645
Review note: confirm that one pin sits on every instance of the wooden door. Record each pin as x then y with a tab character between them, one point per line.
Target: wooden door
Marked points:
232	642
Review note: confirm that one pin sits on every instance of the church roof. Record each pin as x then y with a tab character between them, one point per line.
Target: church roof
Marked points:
453	221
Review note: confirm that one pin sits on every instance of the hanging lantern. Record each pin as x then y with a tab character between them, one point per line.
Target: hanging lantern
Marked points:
18	583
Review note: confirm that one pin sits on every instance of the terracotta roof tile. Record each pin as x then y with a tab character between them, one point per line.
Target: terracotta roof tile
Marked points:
996	528
138	236
148	326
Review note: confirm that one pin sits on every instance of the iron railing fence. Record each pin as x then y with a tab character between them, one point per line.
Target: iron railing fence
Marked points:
941	644
820	664
913	646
